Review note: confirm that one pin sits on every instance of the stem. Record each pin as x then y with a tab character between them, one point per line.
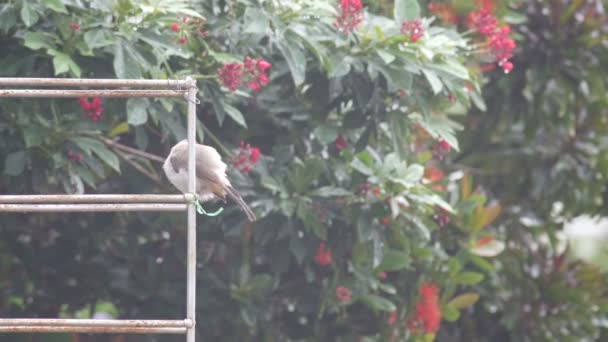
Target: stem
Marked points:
131	150
217	141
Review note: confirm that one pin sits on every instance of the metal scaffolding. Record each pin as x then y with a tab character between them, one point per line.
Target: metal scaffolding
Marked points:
114	202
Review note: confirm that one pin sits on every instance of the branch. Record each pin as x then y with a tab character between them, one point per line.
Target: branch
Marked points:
117	145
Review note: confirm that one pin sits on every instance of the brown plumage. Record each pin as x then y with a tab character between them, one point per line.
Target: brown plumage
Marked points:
211	179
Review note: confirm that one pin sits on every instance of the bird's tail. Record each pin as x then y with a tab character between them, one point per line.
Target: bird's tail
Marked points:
239	200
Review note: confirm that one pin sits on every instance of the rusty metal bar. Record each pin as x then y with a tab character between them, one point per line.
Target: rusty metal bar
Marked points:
90	93
191	253
101	198
136	323
101	207
91	82
98	330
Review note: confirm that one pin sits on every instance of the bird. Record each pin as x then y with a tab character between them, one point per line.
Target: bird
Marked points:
211	179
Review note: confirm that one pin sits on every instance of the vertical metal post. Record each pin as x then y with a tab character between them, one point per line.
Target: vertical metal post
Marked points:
191	267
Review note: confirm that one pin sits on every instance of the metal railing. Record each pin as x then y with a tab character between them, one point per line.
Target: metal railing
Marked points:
114	202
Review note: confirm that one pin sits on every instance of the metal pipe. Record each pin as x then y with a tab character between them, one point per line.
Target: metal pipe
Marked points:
103	207
98	198
191	264
91	82
97	330
135	323
89	93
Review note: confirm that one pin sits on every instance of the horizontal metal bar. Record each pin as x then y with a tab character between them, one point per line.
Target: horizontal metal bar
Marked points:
97	198
90	93
182	323
91	82
112	330
103	207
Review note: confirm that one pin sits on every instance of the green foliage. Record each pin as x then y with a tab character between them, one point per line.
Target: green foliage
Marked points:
371	202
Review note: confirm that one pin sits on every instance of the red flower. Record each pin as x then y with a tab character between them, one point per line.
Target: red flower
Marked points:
182	40
484	241
263	65
247	157
343	294
74	157
484	21
174	27
92	109
392	318
507	67
412	28
382	275
74	26
441	148
384	221
340	143
442	217
323	256
230	75
256	69
434	174
427	315
254	155
351	15
444	11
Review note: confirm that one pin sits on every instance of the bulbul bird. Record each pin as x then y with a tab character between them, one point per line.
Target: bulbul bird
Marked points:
211	179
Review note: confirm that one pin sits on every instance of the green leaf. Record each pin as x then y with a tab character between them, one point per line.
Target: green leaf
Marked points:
394	261
38	40
119	129
464	300
90	145
296	60
450	313
326	134
28	14
235	114
55	5
330	191
386	56
406	10
14	163
137	113
255	21
376	302
468	278
124	64
98	38
32	136
63	63
434	81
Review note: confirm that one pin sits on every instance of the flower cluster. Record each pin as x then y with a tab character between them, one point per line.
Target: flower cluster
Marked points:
499	43
343	294
74	157
427	314
92	109
231	75
256	69
180	29
413	29
247	157
74	26
323	256
351	15
440	149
